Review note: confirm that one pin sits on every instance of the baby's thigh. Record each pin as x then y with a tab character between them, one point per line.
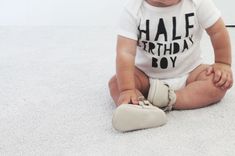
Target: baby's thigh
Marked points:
200	73
141	81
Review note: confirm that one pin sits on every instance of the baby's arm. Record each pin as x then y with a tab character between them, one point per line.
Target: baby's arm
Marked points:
222	48
125	67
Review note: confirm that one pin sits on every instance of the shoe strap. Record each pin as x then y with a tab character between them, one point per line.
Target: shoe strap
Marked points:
172	99
143	101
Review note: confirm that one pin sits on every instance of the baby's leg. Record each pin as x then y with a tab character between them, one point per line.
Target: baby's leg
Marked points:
128	117
200	90
141	83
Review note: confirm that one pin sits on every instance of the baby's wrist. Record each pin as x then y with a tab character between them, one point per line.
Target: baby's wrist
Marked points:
128	89
224	63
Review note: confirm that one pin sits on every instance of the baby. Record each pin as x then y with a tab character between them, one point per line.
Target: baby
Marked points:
159	66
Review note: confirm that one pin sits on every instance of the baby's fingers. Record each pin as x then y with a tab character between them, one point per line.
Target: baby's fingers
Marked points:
209	70
229	83
128	100
217	76
123	100
223	79
134	100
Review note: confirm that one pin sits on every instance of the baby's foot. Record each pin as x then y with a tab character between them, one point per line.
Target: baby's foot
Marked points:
161	95
129	117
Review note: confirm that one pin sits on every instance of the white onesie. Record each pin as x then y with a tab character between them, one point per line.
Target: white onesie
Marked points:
168	37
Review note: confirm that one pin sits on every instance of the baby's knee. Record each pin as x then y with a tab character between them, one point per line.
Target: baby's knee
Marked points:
204	76
215	92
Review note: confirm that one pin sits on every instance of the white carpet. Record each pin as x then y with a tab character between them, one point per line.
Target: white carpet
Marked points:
54	101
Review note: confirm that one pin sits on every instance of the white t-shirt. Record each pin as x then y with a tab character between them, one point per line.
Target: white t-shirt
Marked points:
168	37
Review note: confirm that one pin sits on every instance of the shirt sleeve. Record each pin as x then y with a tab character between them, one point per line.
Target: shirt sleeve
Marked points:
208	14
128	25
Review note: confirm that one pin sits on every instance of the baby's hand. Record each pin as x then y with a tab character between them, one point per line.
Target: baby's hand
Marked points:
129	97
223	76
